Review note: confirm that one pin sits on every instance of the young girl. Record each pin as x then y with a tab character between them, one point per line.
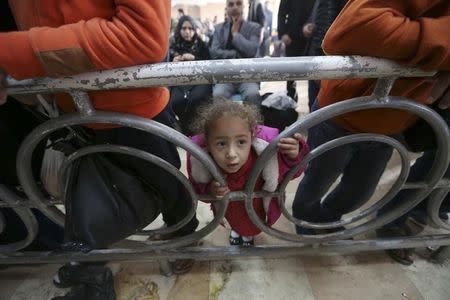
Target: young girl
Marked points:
230	133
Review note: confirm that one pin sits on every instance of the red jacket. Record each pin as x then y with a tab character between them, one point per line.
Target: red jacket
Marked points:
412	32
63	38
274	172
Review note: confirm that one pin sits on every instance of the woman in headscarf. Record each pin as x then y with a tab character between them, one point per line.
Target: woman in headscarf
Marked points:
186	46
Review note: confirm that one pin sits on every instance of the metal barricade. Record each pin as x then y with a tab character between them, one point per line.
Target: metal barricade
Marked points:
224	71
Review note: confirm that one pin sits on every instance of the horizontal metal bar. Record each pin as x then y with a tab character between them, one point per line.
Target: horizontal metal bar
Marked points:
220	71
219	253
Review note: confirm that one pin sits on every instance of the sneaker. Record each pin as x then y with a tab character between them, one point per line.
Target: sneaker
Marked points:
235	241
250	243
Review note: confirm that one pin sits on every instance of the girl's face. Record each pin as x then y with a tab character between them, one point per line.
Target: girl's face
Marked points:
229	143
187	31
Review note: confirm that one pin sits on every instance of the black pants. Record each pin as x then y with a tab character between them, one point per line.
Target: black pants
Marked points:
417	173
185	101
313	92
176	200
16	122
296	49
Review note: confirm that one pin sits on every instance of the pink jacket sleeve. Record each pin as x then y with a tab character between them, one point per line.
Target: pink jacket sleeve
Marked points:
200	188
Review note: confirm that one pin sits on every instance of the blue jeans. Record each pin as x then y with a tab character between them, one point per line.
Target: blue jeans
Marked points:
361	165
248	90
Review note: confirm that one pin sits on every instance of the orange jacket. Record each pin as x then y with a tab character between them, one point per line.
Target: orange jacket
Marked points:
63	38
413	32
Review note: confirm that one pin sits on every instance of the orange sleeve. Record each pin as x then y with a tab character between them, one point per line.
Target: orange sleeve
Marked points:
137	33
381	28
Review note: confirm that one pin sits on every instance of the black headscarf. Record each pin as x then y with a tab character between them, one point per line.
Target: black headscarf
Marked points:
180	46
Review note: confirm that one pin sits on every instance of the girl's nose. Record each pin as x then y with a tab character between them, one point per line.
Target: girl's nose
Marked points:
231	153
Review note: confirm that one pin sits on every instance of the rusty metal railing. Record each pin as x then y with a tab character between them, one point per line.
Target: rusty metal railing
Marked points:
221	71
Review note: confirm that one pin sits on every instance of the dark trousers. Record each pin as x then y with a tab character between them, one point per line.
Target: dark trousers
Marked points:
16	122
360	164
185	100
176	201
297	49
417	173
313	92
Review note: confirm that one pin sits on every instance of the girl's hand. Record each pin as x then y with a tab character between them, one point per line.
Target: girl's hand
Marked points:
290	146
217	190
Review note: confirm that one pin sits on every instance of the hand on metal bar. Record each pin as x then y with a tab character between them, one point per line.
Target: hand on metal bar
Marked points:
217	190
441	90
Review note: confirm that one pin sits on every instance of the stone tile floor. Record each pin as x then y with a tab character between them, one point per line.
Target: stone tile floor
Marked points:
370	275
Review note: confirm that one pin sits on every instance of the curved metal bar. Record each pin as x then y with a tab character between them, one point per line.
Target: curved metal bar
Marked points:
147	157
396	187
443	183
27	217
438	169
40	132
433	206
220	71
195	236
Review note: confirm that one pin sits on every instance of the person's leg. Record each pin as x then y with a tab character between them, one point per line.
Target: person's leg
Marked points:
320	174
417	173
291	87
199	95
360	179
176	201
313	91
225	90
178	100
398	227
250	93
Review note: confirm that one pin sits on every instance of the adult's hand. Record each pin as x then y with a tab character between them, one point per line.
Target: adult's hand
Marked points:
308	30
2	87
441	90
178	58
188	57
286	39
236	24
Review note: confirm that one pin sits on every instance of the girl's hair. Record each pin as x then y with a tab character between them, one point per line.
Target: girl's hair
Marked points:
220	107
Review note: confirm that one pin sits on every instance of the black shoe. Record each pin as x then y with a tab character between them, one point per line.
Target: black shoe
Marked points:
248	243
68	276
90	282
235	241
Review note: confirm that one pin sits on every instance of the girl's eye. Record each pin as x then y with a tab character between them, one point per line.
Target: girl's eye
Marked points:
242	142
220	144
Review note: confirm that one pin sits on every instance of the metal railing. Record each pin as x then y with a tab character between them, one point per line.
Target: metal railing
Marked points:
222	71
